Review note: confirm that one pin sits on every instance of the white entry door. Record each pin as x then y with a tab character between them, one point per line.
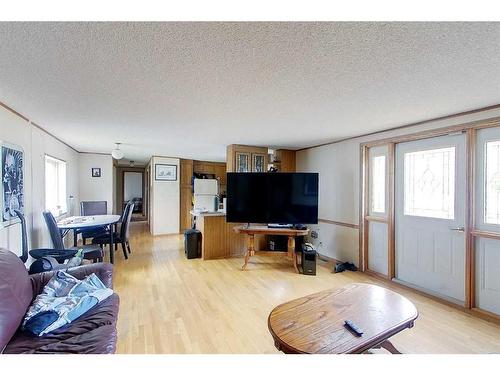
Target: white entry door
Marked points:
430	215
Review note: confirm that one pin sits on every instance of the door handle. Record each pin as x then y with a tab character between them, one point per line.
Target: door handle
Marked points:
460	229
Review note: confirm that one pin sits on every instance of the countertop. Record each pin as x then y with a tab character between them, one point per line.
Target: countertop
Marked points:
207	213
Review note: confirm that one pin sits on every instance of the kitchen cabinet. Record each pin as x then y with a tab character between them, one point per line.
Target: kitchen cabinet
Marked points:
242	158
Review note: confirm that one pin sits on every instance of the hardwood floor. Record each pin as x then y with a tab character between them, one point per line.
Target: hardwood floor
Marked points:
170	304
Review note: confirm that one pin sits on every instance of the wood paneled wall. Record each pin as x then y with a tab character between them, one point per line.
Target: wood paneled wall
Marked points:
186	194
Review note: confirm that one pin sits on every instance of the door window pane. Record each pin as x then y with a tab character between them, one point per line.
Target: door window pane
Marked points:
430	183
492	183
378	184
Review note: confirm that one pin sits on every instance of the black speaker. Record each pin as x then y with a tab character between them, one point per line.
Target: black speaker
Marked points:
308	261
192	243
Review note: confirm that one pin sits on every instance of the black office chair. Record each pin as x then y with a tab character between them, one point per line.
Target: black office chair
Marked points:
90	252
123	236
60	256
45	259
90	208
24	236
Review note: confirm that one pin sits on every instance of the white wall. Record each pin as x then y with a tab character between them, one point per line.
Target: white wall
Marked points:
96	188
35	143
165	200
42	144
338	165
15	130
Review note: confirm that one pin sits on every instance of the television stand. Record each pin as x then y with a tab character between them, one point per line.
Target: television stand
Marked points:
252	230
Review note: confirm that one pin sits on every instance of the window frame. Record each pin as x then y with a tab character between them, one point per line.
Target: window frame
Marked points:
375	152
64	211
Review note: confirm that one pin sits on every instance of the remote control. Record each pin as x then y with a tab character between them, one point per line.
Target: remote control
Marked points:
353	327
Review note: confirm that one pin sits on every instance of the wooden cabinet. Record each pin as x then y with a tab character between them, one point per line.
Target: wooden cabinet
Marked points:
242	158
186	194
220	174
207	167
285	160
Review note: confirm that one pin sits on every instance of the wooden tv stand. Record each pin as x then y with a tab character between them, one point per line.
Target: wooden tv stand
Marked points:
252	230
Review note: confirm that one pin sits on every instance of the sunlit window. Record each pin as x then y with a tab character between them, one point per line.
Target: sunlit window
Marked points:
55	186
430	183
492	183
378	184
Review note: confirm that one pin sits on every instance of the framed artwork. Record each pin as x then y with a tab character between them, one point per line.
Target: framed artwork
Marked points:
165	172
96	172
12	190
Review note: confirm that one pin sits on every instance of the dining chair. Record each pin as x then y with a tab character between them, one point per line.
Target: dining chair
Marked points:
90	208
122	237
90	252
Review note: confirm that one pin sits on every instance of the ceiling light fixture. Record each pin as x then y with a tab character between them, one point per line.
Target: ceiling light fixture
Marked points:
117	153
132	163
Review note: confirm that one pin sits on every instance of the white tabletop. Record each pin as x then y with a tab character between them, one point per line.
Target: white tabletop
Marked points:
76	222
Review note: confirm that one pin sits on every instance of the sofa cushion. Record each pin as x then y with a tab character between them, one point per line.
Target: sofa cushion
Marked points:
15	294
92	333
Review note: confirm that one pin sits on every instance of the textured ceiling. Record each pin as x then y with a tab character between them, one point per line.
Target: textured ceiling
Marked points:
190	89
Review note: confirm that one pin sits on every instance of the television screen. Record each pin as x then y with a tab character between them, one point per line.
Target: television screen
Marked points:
277	198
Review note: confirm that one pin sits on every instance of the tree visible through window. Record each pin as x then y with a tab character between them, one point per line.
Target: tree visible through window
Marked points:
55	186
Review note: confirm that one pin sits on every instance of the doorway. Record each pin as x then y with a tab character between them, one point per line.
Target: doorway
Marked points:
430	213
131	185
430	190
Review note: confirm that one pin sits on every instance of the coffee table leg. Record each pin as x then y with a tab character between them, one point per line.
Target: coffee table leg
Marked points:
387	345
250	250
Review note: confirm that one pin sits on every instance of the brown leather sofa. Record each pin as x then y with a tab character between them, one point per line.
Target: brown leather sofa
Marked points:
92	333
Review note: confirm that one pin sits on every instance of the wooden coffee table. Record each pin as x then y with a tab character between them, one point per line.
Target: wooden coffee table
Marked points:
314	324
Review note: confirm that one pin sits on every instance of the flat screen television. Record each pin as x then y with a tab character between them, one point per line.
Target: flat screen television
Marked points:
272	198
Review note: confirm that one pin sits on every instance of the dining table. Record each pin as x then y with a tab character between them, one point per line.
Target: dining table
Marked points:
76	223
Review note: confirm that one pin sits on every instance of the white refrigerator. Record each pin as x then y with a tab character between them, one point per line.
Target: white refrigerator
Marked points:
206	195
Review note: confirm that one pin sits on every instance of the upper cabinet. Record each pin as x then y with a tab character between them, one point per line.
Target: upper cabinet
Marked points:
246	158
284	160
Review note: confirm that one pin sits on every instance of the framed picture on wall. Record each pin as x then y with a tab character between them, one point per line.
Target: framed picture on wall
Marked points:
165	172
12	187
96	172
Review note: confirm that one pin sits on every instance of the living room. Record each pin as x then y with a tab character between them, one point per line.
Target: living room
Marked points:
215	187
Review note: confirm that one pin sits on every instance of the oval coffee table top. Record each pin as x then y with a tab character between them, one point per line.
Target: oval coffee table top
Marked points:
315	323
